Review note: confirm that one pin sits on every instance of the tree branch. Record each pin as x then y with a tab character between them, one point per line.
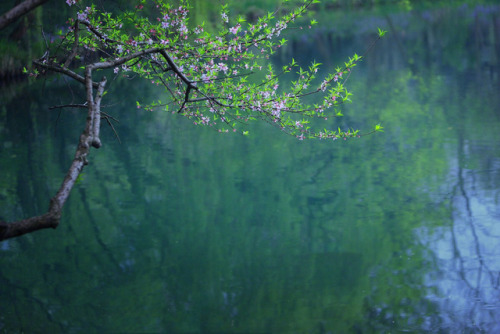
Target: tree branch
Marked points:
96	141
88	138
69	106
18	11
63	70
123	60
52	218
174	68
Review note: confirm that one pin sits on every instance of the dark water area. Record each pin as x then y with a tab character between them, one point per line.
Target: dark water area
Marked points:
180	229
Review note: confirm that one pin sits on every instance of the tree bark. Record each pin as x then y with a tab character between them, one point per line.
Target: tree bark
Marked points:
52	217
89	138
19	11
48	220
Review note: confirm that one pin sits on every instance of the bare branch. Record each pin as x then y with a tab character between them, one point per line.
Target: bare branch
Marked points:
88	138
107	117
69	106
63	70
96	141
18	11
12	230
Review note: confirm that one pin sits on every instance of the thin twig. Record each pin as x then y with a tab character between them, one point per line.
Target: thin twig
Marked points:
108	115
113	128
70	106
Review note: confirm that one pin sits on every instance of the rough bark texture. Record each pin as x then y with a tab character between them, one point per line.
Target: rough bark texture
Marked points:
88	138
19	11
52	217
48	220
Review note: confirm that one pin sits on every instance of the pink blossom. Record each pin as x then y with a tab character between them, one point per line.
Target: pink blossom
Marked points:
234	30
183	29
82	16
323	85
222	67
204	78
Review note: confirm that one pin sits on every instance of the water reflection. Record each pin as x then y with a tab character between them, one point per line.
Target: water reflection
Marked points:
468	281
183	230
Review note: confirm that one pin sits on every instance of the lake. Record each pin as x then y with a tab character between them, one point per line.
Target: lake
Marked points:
175	228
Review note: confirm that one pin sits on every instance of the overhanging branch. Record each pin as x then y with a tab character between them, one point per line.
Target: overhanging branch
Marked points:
88	138
18	11
63	70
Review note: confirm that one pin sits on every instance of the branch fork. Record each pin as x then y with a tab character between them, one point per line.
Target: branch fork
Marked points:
89	138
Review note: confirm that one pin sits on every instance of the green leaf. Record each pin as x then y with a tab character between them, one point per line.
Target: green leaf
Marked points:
381	32
79	178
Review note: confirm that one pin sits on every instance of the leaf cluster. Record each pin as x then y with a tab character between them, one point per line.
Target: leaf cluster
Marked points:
210	77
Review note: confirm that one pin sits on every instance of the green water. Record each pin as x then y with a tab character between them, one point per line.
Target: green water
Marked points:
180	229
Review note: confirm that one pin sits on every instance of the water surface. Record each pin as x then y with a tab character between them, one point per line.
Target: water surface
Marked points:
180	229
